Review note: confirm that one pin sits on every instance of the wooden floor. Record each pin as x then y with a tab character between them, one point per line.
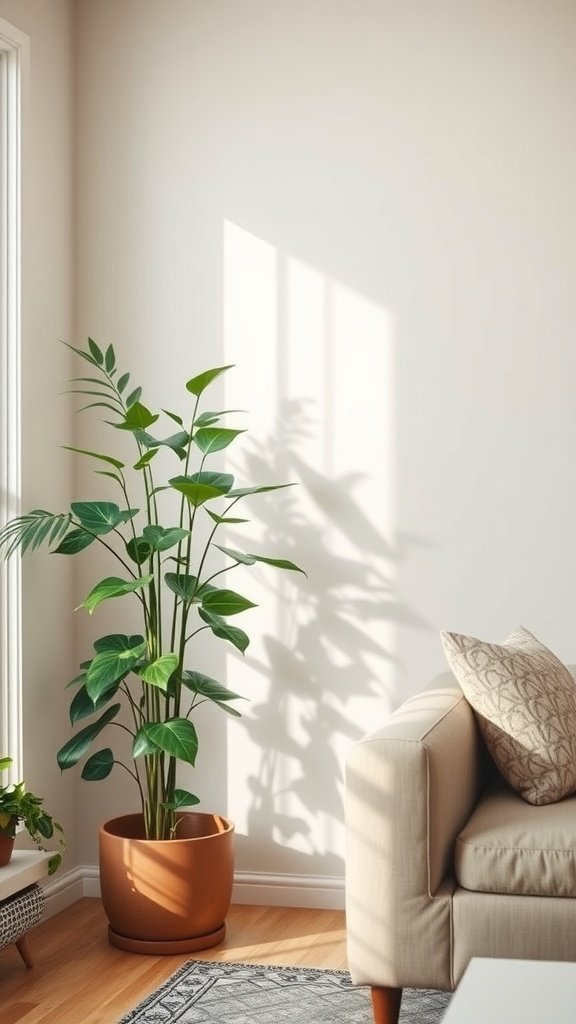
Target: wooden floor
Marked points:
79	978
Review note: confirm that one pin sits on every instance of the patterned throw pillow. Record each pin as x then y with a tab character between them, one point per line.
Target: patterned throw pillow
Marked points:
525	703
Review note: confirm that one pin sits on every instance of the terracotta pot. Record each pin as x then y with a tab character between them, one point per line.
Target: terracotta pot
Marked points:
6	847
167	896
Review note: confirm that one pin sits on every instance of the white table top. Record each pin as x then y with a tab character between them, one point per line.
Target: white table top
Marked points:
25	868
512	991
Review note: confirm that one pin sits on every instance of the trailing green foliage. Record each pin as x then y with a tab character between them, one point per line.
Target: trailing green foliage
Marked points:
17	805
166	568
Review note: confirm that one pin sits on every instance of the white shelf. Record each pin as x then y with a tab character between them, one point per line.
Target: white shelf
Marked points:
25	868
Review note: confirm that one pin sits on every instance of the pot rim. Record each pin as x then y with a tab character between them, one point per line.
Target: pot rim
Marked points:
227	827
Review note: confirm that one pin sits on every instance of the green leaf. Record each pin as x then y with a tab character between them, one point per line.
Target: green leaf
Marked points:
94	455
214	439
177	737
106	395
225	602
134	397
208	687
75	748
109	666
143	745
112	586
95	351
94	380
138	550
206	419
241	492
238	556
201	487
177	442
127	514
116	642
74	542
42	533
54	863
158	672
222	629
223	481
100	405
32	529
59	527
113	476
145	458
83	706
182	585
199	384
229	709
182	798
225	519
173	416
123	381
81	677
80	352
161	539
196	493
110	359
45	826
98	766
138	417
99	517
278	563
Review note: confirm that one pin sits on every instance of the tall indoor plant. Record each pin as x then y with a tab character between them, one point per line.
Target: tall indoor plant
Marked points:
144	683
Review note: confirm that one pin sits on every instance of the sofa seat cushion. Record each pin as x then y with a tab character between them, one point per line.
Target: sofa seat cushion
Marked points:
514	848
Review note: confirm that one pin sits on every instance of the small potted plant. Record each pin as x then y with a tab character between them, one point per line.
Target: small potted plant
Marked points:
165	872
18	805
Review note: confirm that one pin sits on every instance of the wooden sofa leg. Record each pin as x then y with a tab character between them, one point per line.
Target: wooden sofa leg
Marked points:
24	950
386	1005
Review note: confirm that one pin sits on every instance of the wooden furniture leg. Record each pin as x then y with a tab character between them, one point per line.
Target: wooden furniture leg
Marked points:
386	1004
24	950
19	912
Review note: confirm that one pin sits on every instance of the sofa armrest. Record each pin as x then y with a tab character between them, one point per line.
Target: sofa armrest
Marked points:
410	787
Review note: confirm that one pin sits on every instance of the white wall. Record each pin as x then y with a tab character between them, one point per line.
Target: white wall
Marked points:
47	316
369	206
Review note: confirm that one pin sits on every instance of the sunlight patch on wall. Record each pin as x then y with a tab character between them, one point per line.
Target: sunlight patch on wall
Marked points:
250	324
315	368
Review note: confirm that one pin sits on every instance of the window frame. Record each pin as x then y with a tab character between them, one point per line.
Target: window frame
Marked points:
14	48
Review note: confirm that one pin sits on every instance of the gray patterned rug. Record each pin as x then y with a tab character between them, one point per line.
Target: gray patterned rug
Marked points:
213	993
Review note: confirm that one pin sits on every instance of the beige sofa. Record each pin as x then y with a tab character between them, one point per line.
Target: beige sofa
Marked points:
444	861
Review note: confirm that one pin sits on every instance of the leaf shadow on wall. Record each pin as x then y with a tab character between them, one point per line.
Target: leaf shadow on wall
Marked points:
330	654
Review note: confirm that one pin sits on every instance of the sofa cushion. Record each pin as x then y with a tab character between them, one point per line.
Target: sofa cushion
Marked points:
513	848
525	703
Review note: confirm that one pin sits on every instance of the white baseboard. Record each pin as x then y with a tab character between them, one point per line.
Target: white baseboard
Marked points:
323	893
250	888
91	880
63	890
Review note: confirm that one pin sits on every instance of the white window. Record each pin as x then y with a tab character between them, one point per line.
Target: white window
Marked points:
13	50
